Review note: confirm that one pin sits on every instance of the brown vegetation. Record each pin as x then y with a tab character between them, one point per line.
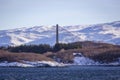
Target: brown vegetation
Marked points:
102	52
9	56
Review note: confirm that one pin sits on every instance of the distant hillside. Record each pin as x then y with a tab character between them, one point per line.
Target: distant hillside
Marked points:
106	32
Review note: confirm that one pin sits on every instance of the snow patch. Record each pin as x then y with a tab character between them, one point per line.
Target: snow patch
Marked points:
79	59
43	63
31	64
14	64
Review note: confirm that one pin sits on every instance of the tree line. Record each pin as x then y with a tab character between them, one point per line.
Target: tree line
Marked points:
42	48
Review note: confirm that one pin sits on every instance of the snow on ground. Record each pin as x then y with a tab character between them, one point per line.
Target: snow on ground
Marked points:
15	64
79	59
43	63
31	64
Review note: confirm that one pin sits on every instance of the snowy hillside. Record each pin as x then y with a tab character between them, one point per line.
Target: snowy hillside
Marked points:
107	32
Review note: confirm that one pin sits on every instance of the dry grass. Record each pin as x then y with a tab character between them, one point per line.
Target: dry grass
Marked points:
9	56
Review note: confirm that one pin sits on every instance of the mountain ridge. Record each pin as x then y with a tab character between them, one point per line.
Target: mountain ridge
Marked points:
106	32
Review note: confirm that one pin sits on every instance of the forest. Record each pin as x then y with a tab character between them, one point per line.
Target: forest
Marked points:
42	48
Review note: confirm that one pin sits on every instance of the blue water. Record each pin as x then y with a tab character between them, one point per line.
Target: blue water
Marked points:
65	73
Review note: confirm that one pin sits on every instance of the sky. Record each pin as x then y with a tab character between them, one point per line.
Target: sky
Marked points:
29	13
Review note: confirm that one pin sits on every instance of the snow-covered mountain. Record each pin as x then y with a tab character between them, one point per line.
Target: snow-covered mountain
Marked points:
107	32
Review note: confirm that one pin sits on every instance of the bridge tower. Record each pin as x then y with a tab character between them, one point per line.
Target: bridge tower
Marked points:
57	33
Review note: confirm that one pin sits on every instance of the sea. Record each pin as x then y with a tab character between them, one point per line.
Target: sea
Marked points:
61	73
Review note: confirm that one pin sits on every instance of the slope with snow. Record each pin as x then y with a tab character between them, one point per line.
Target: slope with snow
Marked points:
107	32
79	59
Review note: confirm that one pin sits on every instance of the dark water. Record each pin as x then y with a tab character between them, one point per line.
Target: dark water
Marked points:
66	73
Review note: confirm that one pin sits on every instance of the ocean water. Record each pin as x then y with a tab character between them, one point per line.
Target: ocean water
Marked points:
64	73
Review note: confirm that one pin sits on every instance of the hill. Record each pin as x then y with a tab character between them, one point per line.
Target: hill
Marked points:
106	32
19	57
101	52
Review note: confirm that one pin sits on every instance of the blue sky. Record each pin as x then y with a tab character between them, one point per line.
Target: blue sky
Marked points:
28	13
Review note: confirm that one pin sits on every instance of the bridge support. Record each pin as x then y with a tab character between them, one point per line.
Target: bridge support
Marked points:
57	34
